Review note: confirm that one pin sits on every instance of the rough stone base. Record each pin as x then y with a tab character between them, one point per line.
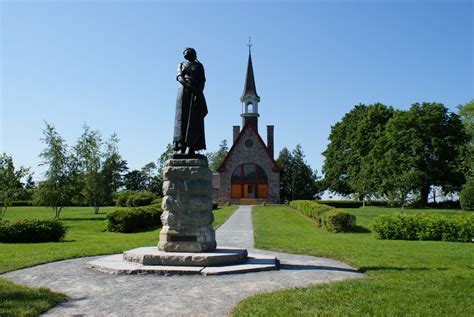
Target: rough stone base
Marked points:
153	256
115	264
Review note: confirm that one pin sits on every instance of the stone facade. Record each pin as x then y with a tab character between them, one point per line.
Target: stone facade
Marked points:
241	153
187	206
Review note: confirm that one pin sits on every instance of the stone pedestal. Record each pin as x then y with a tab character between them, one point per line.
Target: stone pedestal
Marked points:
187	205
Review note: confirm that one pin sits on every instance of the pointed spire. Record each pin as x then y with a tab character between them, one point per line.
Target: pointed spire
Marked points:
249	88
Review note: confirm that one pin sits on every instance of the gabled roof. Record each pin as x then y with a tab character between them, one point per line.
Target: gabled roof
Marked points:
249	87
221	167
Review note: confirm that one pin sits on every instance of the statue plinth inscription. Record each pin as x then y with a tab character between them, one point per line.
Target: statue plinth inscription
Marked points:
187	205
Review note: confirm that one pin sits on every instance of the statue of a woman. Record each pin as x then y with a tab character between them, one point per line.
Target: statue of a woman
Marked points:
191	105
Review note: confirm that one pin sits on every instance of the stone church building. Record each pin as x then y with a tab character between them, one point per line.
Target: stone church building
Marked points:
249	173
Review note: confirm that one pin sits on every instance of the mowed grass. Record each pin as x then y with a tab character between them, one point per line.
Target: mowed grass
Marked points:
85	237
403	278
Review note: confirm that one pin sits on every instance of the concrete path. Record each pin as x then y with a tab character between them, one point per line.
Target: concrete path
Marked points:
96	294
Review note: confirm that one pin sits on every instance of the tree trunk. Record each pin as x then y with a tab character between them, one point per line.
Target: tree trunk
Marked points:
96	208
424	193
3	211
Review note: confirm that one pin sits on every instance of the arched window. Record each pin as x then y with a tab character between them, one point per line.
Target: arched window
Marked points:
250	108
249	181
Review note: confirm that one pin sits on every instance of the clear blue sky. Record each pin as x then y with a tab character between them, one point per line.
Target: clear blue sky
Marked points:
112	64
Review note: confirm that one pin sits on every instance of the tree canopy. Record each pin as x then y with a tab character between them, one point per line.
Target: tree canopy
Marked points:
375	150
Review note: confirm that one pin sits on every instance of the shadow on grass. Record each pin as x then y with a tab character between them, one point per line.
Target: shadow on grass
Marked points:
360	229
302	267
364	269
83	219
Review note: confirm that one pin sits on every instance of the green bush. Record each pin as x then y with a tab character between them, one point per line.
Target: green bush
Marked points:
32	231
121	198
341	203
134	219
467	196
311	209
21	203
214	206
424	227
138	199
157	201
448	204
339	221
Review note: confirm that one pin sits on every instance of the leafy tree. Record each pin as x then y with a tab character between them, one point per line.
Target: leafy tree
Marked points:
297	179
58	188
114	166
157	186
135	180
10	182
216	158
349	167
421	148
466	112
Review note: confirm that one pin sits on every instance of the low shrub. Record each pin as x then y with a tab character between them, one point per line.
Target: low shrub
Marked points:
134	219
32	231
157	201
138	199
377	203
424	227
341	203
311	209
466	196
214	206
339	221
121	198
21	203
449	204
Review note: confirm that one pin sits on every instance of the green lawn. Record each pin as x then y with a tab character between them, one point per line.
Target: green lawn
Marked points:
85	237
403	278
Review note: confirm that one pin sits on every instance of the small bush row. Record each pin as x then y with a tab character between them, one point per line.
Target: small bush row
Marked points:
32	231
341	203
21	203
134	219
129	198
334	220
424	227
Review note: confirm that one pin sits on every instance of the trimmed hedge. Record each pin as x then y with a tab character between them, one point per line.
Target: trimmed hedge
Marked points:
339	221
448	204
311	209
139	199
424	227
467	196
341	203
134	219
157	201
32	231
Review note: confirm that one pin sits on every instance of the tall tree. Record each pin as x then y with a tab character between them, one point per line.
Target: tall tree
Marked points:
216	158
421	148
297	179
158	178
10	182
348	166
466	112
58	188
114	166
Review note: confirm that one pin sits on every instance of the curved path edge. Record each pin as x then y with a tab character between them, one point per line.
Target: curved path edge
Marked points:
92	293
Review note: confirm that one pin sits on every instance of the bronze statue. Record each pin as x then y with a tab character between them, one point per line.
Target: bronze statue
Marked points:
191	107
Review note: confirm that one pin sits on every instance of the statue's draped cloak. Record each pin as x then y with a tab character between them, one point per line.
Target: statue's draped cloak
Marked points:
191	108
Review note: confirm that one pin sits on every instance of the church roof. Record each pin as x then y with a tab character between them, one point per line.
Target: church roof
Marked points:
221	168
249	88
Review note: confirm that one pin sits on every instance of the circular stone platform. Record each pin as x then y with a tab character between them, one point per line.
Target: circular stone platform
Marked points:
218	257
221	261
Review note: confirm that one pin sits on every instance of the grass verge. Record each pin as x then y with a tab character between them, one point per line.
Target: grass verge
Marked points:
404	278
86	237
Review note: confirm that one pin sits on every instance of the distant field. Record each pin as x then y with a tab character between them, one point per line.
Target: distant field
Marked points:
404	278
85	237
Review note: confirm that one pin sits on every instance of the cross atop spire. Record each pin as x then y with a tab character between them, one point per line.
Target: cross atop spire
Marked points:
250	44
249	88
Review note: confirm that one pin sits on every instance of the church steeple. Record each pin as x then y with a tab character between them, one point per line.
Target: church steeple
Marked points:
249	97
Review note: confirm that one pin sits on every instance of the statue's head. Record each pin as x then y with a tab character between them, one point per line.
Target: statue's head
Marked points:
190	53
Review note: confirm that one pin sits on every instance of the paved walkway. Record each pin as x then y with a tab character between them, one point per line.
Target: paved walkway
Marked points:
96	294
